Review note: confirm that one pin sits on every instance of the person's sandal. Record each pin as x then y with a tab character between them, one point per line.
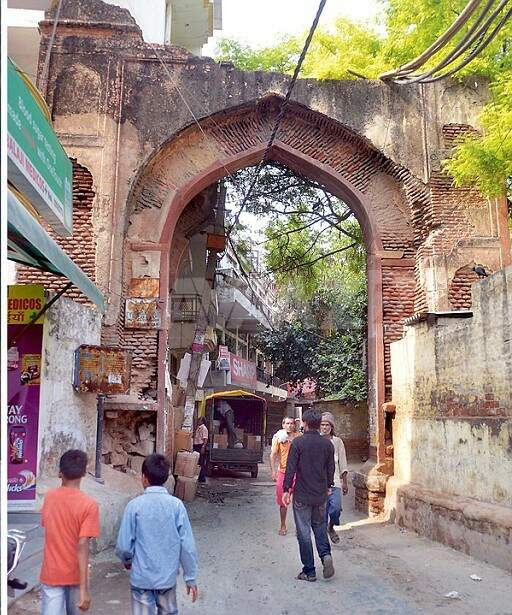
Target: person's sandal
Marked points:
302	576
334	537
328	566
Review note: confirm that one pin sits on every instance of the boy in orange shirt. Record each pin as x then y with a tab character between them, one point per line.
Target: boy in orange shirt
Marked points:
70	518
280	448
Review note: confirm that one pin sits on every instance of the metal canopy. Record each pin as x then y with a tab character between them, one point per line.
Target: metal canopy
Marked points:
29	244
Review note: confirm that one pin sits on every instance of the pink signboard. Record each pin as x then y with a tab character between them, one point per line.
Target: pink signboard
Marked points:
23	388
242	372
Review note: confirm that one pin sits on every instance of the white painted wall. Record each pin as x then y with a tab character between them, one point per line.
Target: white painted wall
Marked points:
66	419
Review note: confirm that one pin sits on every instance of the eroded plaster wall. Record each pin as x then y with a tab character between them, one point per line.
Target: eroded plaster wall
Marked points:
452	386
67	419
351	424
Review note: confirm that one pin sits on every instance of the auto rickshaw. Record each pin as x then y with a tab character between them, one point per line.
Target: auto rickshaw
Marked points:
249	418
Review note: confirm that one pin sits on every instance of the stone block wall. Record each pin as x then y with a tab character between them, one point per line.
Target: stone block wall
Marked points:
452	386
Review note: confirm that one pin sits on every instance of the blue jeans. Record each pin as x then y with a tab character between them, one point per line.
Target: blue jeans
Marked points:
307	518
333	508
154	601
60	599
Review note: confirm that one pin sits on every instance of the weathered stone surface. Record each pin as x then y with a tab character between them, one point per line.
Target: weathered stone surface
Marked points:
67	419
452	384
119	458
351	424
136	462
107	443
479	529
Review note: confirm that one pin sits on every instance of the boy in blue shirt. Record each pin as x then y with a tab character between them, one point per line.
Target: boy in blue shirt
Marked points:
155	537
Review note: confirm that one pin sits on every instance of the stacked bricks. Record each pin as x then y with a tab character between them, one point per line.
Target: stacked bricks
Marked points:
370	492
398	298
455	133
459	294
80	247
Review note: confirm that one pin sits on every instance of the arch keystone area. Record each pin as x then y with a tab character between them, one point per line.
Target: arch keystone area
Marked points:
380	194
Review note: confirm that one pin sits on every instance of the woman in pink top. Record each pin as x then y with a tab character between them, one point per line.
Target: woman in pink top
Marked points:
200	442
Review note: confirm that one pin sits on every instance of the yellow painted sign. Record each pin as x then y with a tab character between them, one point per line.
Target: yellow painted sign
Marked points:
24	301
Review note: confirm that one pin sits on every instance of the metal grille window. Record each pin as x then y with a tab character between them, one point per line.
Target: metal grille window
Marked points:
184	308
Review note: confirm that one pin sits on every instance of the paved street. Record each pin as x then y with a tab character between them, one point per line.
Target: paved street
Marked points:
247	568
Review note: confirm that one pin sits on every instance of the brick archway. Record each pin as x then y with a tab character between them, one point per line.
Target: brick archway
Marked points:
383	196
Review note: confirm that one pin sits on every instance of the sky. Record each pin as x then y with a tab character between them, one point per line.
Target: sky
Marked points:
260	22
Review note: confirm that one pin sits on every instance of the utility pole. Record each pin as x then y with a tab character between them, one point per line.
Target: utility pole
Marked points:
206	314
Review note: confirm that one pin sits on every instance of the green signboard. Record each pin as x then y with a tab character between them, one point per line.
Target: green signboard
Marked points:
37	163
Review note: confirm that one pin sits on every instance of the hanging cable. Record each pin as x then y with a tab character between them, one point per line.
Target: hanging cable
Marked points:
280	117
483	45
46	67
477	37
445	38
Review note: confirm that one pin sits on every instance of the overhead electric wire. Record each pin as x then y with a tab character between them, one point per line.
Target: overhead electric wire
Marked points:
438	44
477	37
46	67
485	43
280	117
467	39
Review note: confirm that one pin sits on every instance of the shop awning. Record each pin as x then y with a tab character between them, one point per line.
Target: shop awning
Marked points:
29	244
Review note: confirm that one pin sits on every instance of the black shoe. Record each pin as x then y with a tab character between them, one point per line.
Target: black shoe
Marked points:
302	576
16	584
328	566
333	536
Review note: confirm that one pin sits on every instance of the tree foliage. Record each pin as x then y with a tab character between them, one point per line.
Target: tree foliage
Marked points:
402	32
314	251
486	162
309	232
324	339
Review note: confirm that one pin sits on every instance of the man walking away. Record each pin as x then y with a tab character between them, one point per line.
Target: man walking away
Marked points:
155	537
334	507
281	443
69	518
311	460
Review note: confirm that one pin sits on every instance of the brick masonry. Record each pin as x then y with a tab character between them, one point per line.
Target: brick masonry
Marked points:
363	140
81	246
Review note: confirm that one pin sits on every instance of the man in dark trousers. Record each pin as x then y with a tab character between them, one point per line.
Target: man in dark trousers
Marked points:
311	460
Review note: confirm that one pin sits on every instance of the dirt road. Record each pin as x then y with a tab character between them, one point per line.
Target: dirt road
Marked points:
247	569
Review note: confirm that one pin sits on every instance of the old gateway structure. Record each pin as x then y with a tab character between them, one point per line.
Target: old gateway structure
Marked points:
144	163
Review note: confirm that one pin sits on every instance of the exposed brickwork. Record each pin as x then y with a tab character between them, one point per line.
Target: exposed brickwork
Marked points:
398	297
80	247
454	133
459	293
142	343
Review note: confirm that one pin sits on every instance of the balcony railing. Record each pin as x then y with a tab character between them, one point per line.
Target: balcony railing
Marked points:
184	308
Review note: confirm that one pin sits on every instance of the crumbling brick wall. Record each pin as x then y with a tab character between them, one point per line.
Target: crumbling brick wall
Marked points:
459	293
80	247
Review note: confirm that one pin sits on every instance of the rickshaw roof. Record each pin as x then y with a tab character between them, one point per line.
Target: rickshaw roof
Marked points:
221	394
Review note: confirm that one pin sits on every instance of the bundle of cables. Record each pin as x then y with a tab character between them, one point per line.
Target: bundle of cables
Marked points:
490	16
